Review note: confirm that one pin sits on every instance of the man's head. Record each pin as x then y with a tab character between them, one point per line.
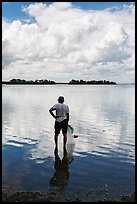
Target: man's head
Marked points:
61	99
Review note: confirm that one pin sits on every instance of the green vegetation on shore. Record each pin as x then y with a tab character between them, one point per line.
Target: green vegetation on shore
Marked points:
45	81
23	81
91	82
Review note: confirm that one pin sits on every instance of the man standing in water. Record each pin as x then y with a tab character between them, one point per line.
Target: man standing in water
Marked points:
61	119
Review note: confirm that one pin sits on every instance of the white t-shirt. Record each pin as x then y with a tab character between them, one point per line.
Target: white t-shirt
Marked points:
61	111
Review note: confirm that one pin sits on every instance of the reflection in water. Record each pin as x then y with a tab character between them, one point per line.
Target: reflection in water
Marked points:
61	174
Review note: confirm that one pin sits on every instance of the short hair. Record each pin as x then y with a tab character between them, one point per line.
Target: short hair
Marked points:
61	99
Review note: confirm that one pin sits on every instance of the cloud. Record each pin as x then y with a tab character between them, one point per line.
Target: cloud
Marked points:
65	42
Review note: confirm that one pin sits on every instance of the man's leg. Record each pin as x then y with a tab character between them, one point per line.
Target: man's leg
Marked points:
57	131
65	139
56	140
64	131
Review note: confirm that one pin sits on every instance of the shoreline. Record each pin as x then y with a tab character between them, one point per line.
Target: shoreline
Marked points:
53	197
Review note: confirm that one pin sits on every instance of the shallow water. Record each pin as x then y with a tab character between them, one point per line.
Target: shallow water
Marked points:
103	155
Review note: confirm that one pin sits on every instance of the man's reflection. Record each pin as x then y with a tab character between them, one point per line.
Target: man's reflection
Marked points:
61	175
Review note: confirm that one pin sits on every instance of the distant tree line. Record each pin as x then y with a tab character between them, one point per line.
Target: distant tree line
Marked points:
73	81
23	81
45	81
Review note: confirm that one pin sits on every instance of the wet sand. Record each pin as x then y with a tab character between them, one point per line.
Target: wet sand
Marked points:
52	197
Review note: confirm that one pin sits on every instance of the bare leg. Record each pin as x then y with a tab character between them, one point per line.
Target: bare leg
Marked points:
56	140
64	151
65	138
56	151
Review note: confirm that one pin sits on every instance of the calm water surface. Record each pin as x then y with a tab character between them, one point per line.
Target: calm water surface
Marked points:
103	156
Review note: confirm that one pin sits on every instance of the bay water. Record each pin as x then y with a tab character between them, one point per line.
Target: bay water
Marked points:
102	157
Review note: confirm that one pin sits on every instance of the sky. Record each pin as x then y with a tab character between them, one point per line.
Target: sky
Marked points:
62	41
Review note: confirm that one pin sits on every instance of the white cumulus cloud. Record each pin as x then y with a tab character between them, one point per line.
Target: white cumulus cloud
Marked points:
65	42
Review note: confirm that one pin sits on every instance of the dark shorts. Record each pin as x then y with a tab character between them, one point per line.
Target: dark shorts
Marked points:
61	125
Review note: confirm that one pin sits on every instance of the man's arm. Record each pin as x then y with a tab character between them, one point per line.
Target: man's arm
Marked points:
51	112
